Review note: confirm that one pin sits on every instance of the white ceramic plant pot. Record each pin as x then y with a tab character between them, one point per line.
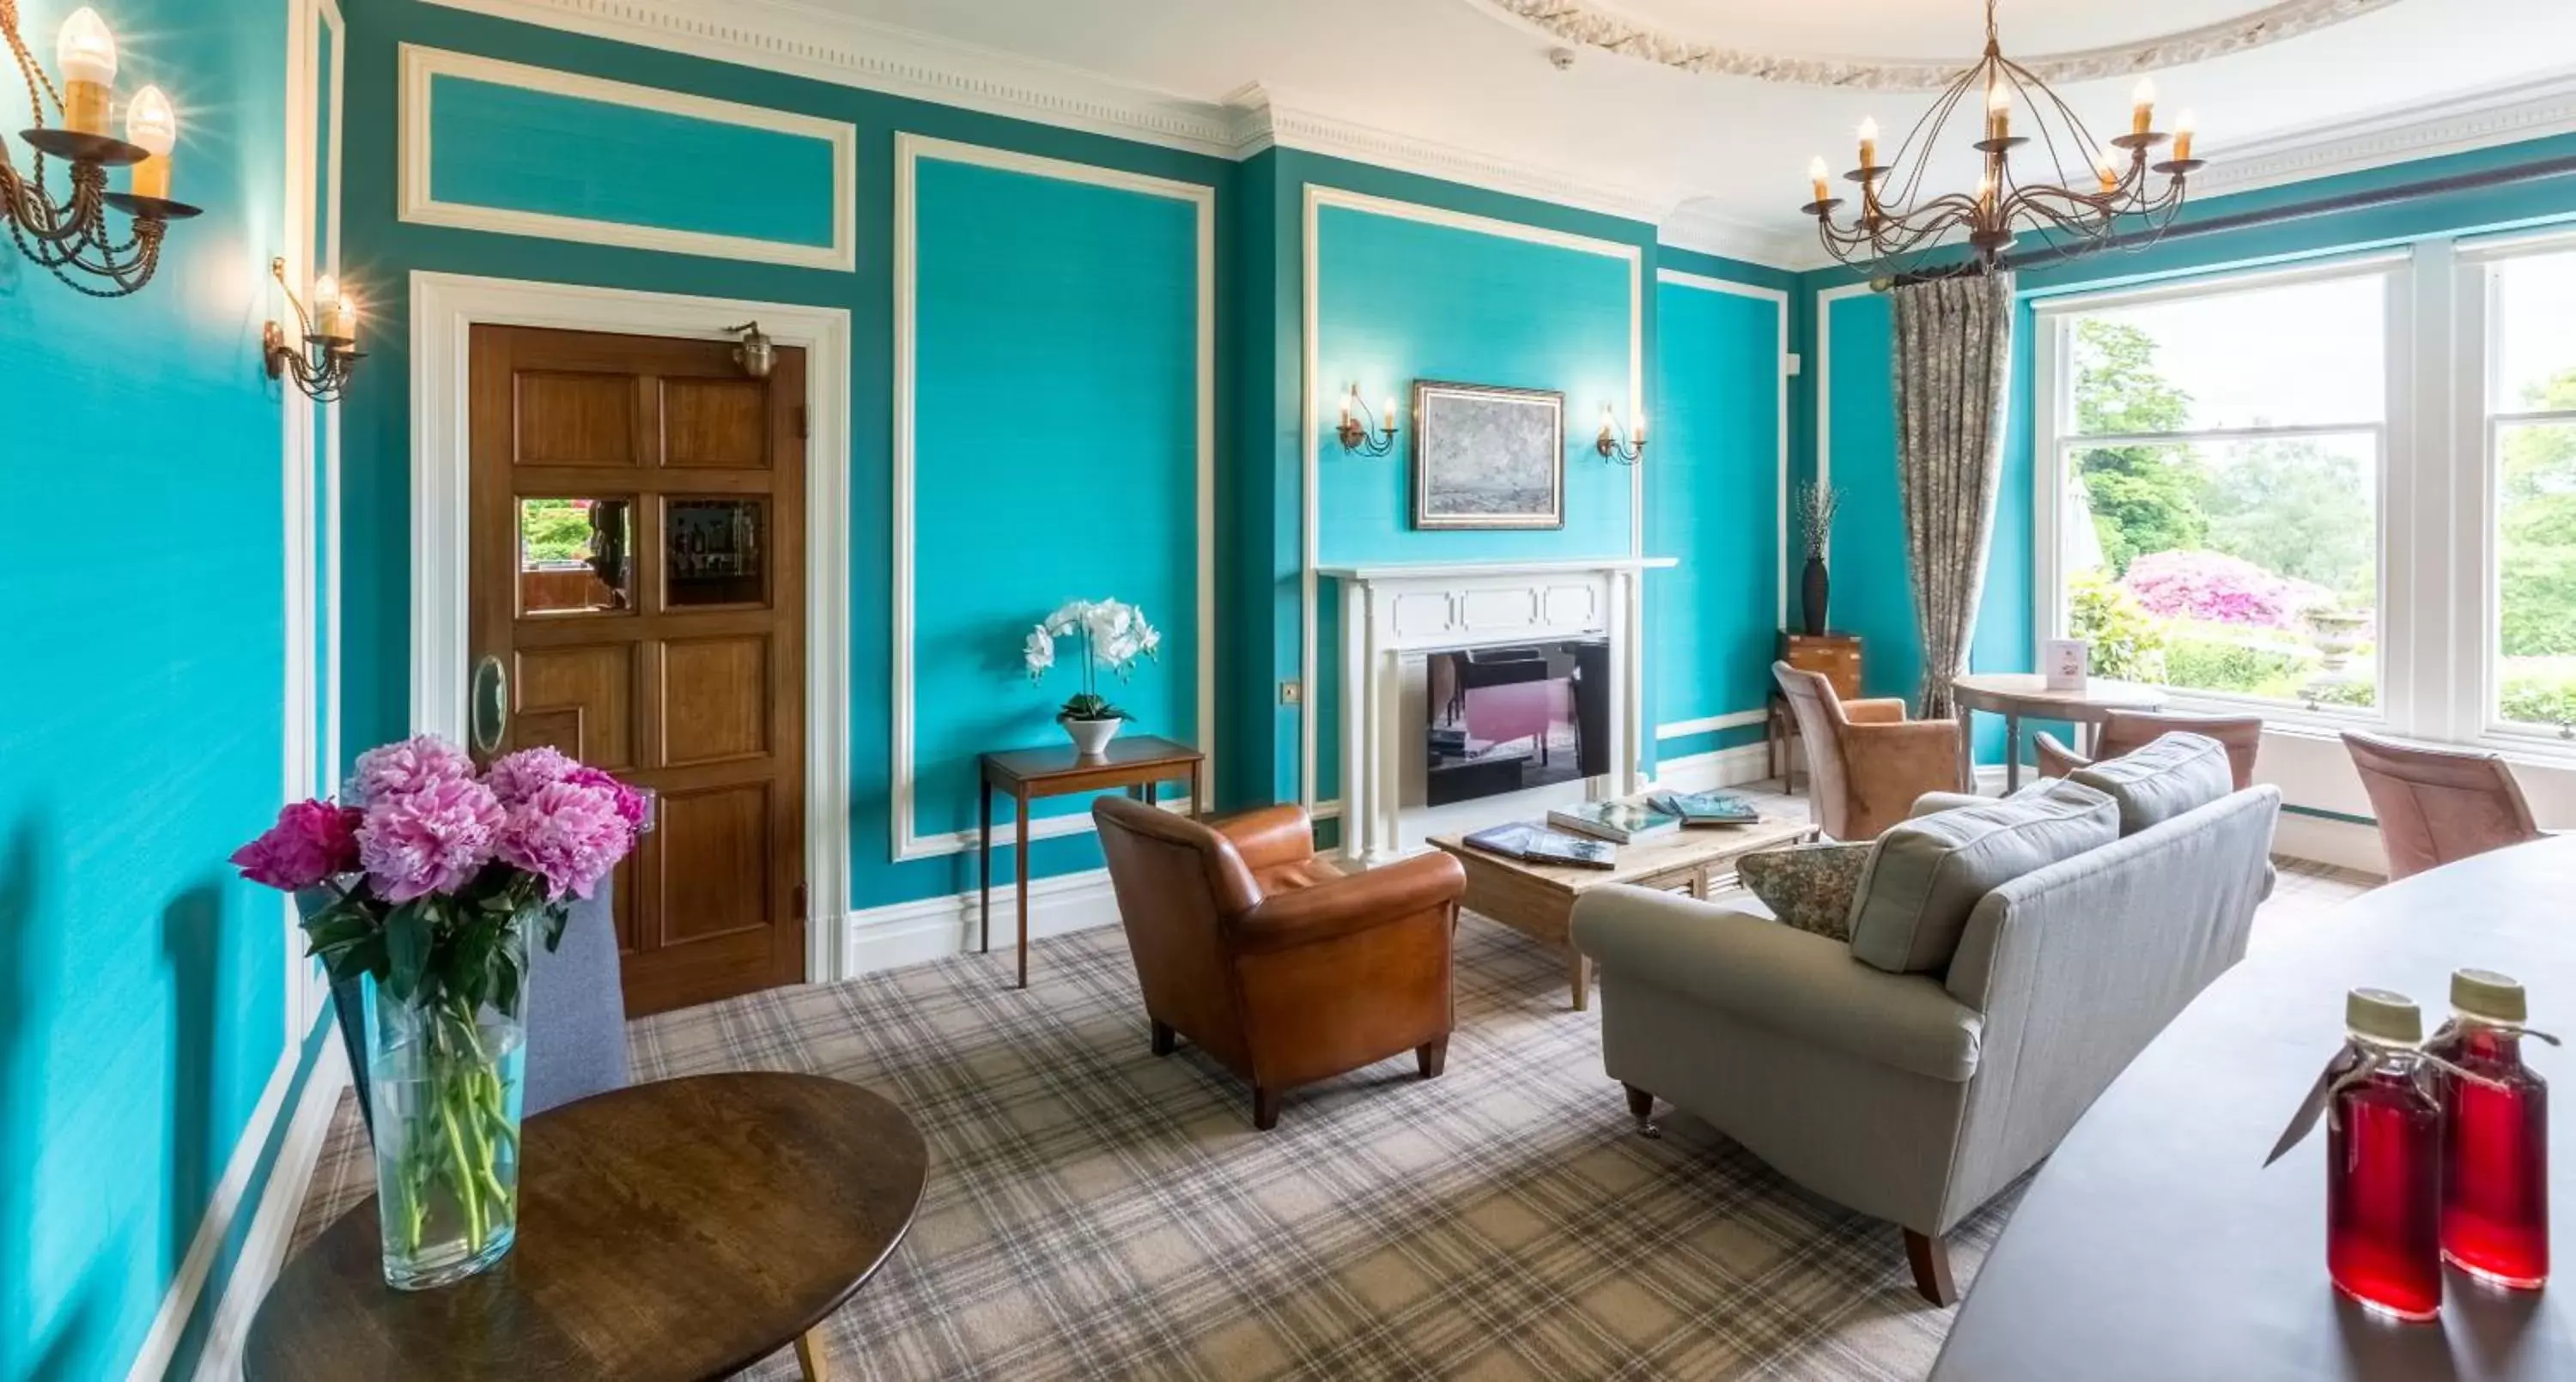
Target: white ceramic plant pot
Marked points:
1090	737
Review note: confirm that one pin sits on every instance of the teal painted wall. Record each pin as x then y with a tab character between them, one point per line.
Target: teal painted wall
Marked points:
517	149
1859	410
383	251
1713	493
142	987
1085	485
1400	300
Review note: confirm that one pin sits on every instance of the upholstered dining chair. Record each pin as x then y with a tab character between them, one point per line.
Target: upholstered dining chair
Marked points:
2125	731
575	1009
1866	763
2437	806
1279	966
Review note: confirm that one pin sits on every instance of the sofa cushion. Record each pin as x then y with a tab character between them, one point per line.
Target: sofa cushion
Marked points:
1925	876
1810	887
2179	772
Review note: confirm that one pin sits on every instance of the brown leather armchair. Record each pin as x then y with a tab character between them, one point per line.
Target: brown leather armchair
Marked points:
2438	806
1866	763
1271	960
2124	731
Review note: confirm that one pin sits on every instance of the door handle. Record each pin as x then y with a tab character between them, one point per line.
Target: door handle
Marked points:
487	708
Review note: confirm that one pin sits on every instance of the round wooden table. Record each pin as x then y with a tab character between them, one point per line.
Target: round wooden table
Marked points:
2155	1246
679	1229
2016	695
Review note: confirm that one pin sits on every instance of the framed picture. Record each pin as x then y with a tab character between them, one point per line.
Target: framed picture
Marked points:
1486	457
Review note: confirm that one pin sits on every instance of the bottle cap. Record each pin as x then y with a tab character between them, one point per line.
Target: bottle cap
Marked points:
2388	1018
2489	996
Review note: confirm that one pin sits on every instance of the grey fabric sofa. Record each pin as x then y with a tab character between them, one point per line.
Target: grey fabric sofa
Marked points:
1916	1097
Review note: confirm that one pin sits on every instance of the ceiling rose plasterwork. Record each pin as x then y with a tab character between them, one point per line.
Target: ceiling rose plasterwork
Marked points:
1598	26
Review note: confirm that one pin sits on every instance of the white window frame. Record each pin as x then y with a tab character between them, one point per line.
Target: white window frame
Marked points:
2482	420
2052	401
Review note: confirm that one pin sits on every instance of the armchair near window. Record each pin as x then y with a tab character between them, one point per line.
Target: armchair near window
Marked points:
2125	731
1282	968
1866	763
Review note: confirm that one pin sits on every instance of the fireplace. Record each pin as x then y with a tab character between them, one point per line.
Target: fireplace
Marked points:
1476	694
1508	719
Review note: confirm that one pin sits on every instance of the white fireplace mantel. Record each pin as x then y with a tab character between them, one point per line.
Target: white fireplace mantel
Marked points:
1393	614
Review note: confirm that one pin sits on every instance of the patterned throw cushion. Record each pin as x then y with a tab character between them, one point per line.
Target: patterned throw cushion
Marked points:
1808	886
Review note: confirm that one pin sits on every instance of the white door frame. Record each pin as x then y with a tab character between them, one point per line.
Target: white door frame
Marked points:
444	310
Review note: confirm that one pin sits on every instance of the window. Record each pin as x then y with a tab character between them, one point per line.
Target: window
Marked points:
2530	301
2218	459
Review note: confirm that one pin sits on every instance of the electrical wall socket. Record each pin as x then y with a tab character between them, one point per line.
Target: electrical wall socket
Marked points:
1292	693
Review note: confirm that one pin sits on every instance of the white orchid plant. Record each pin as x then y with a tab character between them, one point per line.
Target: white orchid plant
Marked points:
1114	635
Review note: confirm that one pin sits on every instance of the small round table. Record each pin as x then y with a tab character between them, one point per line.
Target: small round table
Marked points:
2015	695
679	1229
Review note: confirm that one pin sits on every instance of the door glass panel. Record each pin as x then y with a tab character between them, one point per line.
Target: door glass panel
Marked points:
575	555
715	552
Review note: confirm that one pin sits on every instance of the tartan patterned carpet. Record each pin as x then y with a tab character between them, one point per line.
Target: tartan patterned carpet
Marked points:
1094	1212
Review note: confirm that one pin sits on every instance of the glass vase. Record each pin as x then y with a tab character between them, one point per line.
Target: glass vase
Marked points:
444	1082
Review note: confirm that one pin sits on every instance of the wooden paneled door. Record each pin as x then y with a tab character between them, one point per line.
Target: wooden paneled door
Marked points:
638	601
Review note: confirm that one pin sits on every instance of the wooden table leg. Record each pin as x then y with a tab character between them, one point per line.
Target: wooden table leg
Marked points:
1020	862
810	1357
2012	753
1582	979
984	822
1967	748
1198	808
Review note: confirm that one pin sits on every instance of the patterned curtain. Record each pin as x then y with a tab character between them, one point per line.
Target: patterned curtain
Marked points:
1953	360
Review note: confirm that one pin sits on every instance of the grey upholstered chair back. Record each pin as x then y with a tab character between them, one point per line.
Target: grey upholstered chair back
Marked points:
576	1012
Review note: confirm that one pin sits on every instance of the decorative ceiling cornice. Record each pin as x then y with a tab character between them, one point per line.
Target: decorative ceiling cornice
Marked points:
1598	26
800	42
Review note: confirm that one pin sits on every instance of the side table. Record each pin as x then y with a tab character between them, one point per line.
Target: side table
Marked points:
1139	764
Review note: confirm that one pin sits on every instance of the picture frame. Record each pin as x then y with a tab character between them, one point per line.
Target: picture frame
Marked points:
1487	457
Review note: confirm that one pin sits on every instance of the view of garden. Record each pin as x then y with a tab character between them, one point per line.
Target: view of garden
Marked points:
2248	565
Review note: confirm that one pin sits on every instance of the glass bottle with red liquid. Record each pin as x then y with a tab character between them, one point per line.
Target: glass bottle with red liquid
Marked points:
2384	1162
2495	1135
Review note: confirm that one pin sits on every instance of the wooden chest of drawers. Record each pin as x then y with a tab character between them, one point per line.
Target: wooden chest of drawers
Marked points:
1836	655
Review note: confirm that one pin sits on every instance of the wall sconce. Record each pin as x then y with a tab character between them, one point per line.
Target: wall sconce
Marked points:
1362	433
71	239
1626	449
326	352
757	353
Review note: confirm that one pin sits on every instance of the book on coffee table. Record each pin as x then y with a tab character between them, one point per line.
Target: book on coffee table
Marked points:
1536	844
1706	808
1619	822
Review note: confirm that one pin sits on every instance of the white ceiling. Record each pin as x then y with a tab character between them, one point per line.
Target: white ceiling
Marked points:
1462	87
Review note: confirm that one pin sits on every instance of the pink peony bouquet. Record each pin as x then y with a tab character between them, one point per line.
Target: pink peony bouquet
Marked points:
427	864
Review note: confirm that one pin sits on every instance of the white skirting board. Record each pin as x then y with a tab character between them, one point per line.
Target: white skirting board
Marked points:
2324	840
1705	772
935	928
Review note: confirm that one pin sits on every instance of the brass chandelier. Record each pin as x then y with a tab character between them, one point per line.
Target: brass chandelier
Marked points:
2116	192
73	239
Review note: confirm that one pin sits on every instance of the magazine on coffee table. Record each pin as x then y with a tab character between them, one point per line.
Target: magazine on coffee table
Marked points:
1619	822
1536	844
1706	808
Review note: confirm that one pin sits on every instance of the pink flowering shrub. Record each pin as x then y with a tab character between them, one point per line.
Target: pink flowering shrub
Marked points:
2219	588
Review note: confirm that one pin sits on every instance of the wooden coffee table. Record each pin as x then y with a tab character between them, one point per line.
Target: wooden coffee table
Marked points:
681	1229
1538	901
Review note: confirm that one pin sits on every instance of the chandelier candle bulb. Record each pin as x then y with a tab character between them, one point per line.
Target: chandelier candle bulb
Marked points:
1868	144
1999	113
86	53
2182	134
2110	175
2142	107
1817	174
152	126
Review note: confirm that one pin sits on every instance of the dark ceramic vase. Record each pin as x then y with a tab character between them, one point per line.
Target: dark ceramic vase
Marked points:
1814	590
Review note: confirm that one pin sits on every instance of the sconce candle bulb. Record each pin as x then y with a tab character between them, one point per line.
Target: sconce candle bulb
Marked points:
86	53
152	126
1628	450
